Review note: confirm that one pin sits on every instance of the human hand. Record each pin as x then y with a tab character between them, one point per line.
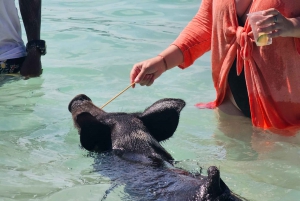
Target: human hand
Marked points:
276	24
32	66
147	71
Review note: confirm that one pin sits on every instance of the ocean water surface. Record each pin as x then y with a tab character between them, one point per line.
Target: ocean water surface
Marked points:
92	46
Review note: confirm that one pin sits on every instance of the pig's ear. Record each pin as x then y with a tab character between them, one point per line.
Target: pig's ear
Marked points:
162	118
94	135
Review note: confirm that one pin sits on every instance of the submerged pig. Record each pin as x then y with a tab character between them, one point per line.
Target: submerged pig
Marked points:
131	154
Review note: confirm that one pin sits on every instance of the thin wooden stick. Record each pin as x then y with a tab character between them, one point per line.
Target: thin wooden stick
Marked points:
117	95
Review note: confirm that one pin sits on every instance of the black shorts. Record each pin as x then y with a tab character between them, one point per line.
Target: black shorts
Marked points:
11	65
238	87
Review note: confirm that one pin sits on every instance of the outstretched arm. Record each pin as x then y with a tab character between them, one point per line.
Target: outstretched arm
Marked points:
147	71
31	15
193	42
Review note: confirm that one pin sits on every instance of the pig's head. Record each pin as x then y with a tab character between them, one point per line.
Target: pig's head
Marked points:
135	136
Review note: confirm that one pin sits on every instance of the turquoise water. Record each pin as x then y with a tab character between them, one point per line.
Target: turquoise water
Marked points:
92	46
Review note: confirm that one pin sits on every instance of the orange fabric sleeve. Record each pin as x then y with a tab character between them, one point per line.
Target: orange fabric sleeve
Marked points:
195	39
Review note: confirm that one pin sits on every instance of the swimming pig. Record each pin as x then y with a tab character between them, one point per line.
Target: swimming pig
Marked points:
131	155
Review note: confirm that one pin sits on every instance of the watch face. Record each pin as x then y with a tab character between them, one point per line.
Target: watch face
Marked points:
40	45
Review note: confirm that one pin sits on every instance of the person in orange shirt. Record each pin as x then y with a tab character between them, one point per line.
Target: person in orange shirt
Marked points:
259	82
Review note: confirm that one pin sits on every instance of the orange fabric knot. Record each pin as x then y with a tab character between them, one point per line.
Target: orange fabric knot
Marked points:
244	46
244	50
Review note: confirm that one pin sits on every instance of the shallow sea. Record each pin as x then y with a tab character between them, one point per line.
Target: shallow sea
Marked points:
92	46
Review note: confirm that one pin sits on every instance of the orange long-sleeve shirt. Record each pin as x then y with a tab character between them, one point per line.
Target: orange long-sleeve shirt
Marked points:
272	72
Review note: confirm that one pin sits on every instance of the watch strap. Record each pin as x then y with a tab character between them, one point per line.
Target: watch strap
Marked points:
40	45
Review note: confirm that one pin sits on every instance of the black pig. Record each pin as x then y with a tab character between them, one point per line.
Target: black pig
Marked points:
134	157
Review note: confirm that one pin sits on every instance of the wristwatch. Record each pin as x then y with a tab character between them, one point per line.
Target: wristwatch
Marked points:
40	45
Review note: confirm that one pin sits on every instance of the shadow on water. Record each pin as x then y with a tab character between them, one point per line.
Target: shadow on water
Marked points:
254	141
268	159
9	78
18	97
